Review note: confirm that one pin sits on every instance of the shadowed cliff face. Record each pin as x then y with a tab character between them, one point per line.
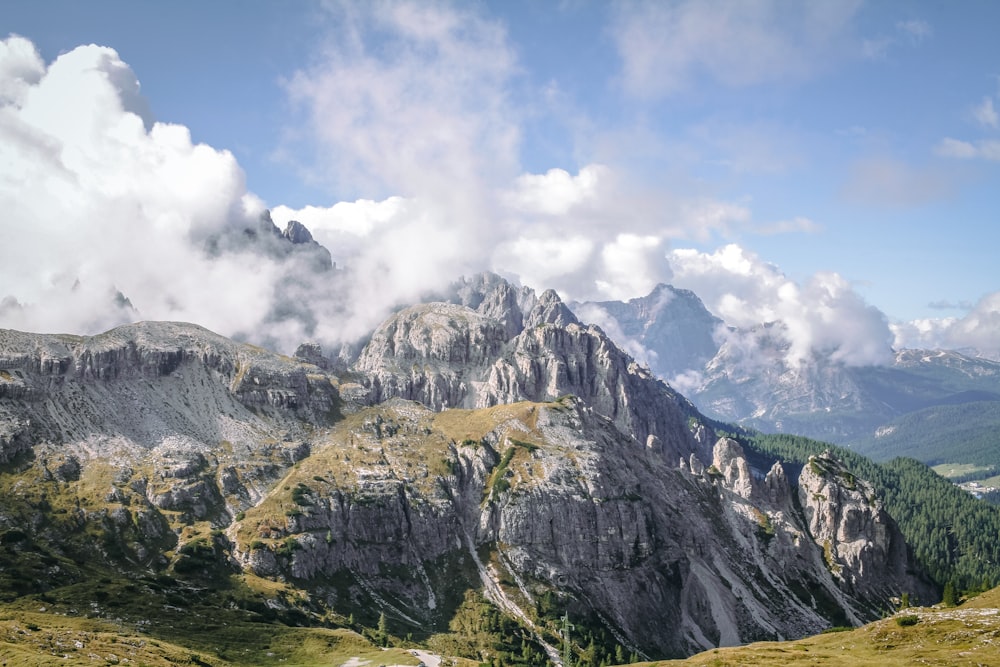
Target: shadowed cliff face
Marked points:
559	468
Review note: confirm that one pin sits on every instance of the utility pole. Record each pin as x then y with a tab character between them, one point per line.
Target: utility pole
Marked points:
567	647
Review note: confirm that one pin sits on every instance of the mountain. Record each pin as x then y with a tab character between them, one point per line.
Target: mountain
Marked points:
672	327
748	380
486	465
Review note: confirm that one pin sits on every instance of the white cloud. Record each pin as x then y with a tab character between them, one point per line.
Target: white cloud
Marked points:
824	315
977	331
632	265
915	29
987	149
411	99
556	192
99	200
20	68
665	46
985	114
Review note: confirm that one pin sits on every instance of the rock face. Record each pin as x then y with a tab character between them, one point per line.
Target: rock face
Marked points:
451	355
856	534
166	406
495	443
550	497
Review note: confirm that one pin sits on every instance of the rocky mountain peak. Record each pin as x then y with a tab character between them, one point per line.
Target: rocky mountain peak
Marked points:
858	537
297	233
672	324
550	310
449	355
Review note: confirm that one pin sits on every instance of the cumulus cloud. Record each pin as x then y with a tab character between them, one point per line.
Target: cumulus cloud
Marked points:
978	331
116	217
824	315
665	46
556	192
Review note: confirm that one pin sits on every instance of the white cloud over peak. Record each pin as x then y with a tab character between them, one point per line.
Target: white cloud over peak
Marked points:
556	192
977	331
823	315
99	200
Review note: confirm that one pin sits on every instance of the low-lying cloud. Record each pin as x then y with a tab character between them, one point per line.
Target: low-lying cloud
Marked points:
977	332
824	315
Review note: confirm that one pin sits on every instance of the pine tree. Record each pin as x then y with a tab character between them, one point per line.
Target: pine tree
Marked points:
383	629
948	597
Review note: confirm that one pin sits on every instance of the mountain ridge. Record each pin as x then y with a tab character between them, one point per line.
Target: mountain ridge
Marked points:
191	487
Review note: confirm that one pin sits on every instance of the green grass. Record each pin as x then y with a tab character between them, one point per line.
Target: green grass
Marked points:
952	470
159	621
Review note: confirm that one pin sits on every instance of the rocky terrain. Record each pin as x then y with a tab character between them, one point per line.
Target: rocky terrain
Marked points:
490	442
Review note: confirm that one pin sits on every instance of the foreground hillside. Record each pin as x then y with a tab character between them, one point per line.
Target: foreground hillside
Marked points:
955	636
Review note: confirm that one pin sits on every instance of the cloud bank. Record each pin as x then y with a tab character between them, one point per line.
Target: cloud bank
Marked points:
977	332
97	203
823	316
411	112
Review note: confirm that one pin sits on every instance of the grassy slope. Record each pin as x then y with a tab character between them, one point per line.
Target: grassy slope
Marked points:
962	635
107	621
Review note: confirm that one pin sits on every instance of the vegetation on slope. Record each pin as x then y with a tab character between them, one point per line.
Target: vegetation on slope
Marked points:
966	433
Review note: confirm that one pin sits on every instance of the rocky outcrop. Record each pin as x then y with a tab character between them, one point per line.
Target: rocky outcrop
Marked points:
447	355
856	534
35	365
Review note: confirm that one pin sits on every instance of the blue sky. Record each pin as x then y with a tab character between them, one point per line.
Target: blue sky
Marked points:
857	140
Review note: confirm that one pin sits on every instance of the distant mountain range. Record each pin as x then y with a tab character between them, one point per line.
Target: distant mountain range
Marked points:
744	377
